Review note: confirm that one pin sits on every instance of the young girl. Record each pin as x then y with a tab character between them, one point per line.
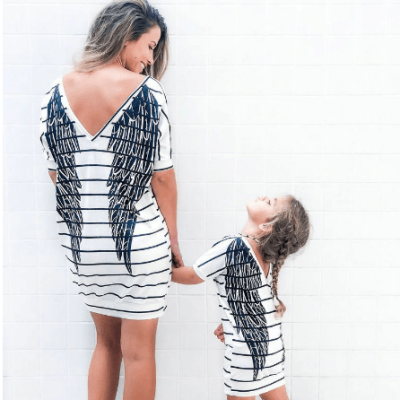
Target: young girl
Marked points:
245	268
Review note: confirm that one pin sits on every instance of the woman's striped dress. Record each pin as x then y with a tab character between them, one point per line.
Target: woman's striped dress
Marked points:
255	352
114	236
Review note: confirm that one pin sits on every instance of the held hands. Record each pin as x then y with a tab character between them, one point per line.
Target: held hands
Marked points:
177	260
219	333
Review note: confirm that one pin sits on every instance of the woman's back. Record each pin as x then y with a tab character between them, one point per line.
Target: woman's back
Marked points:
94	97
114	237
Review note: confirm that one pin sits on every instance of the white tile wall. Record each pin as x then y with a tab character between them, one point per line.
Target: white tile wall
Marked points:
266	96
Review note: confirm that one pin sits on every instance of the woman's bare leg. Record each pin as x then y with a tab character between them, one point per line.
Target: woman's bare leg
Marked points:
106	360
240	398
138	345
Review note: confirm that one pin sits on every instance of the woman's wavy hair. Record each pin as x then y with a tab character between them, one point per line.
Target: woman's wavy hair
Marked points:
290	232
118	22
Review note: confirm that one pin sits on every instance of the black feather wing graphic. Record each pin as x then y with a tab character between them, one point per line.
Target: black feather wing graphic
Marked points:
241	282
133	142
63	143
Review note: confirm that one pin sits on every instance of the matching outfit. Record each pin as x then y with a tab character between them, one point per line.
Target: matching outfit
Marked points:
255	352
114	237
116	241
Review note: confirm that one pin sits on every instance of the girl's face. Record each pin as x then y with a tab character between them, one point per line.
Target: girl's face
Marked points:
262	209
137	55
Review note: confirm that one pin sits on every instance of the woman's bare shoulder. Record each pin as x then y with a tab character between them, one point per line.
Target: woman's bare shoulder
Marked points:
117	80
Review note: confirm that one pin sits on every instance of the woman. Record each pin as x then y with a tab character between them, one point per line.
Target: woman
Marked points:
106	136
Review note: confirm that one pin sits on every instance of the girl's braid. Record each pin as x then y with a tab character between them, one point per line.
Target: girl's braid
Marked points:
290	232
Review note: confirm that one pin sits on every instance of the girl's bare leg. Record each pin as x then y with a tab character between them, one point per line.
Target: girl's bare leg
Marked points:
106	360
138	344
275	394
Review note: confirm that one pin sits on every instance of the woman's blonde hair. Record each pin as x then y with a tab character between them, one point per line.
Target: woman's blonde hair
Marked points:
290	232
119	22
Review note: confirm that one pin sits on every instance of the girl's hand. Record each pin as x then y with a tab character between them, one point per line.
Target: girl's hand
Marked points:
219	333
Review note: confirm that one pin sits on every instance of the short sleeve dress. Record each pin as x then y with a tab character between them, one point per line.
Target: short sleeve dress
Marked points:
113	234
255	352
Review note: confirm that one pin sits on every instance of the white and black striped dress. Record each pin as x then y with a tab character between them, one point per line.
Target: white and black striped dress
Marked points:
255	352
115	238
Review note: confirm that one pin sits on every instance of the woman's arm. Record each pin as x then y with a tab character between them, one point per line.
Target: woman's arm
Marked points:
185	275
163	184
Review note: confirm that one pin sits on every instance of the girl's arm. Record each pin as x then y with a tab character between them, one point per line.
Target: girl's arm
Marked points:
163	184
53	176
185	275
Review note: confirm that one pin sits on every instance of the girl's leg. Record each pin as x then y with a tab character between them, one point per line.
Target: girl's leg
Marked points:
106	360
276	394
138	343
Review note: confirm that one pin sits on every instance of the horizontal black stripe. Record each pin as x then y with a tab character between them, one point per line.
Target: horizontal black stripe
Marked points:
211	259
116	263
113	250
100	151
98	180
264	355
102	223
96	209
123	297
267	326
257	380
137	129
243	302
246	290
110	237
133	312
121	284
133	276
257	341
163	169
216	272
254	315
261	387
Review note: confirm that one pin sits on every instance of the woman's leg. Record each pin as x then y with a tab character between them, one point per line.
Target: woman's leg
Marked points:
276	394
138	344
239	398
106	360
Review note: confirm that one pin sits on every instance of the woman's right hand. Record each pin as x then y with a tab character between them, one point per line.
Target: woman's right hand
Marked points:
219	333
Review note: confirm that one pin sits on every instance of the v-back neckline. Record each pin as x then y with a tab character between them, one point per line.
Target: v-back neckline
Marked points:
73	115
253	254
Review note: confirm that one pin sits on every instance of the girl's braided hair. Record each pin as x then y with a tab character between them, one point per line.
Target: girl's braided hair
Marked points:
290	232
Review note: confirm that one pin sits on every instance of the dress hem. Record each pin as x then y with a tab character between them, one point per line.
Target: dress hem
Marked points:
126	310
279	383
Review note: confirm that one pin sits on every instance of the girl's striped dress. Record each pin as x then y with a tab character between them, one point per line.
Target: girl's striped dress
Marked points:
114	236
255	352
